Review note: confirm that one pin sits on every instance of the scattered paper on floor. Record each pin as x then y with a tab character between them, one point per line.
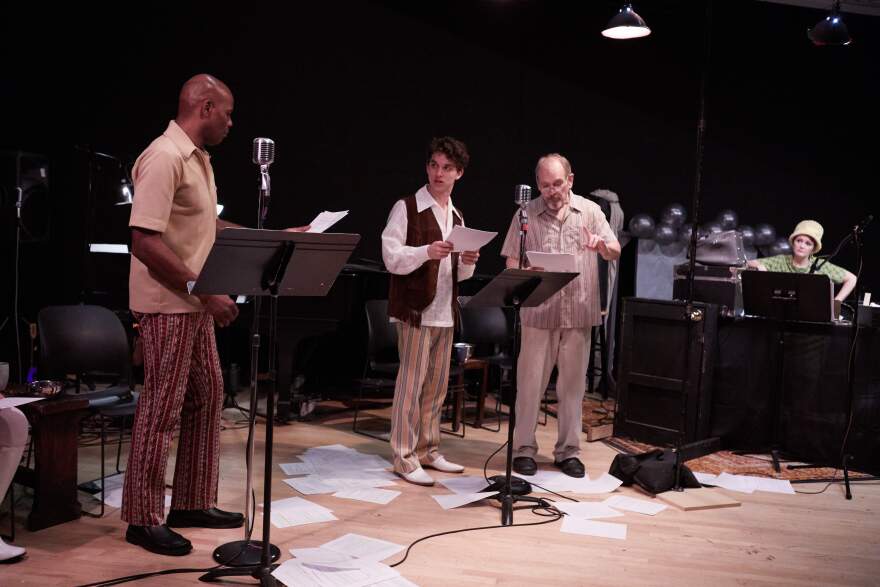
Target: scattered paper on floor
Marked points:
587	510
465	484
363	547
296	511
303	574
631	504
372	495
453	500
594	528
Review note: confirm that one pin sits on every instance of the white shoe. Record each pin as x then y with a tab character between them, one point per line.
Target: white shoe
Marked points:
417	477
9	551
441	464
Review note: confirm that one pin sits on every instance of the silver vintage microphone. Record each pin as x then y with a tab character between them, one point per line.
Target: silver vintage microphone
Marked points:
264	151
264	156
522	195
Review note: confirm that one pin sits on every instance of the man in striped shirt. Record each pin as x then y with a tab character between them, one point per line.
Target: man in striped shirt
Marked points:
557	333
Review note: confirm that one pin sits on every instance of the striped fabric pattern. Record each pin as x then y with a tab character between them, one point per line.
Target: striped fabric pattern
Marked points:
422	382
577	304
183	384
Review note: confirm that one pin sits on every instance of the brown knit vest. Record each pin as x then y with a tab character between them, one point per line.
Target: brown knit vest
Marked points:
410	294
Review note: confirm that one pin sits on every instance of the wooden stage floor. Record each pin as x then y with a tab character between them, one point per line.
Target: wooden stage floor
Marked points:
770	539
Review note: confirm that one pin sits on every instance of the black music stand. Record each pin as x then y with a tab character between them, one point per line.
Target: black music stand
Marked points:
784	298
799	297
268	263
516	288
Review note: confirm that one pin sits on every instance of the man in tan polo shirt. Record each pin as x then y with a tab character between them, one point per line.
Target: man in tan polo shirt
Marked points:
174	223
557	333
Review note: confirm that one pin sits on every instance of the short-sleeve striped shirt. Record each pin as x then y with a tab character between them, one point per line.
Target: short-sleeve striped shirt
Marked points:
577	304
784	264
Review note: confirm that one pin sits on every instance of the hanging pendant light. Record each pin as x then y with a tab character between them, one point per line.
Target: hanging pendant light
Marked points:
831	30
626	24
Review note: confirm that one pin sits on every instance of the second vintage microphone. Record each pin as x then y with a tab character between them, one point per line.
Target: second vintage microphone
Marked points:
264	156
522	195
264	151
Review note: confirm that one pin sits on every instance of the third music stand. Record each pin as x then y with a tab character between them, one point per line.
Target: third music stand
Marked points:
516	288
785	298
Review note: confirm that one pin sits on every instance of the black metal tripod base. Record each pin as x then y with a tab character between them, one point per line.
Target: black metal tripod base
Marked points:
250	551
264	574
508	499
243	553
844	465
517	486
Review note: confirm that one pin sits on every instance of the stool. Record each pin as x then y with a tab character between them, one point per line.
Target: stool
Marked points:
457	391
482	366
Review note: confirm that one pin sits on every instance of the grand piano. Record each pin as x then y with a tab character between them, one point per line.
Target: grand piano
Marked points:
322	341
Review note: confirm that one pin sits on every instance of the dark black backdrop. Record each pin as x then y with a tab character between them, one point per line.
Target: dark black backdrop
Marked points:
351	92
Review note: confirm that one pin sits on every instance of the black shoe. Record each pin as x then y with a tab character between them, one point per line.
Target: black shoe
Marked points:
211	518
525	465
159	539
572	467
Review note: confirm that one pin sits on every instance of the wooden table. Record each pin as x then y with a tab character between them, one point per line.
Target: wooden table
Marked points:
55	430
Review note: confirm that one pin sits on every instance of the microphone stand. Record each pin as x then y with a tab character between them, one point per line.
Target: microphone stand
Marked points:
523	230
265	191
856	232
820	262
693	314
855	236
247	552
505	484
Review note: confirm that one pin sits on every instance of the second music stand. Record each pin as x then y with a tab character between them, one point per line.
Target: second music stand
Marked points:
516	288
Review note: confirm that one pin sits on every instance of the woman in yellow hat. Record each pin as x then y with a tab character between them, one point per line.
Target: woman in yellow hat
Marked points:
806	241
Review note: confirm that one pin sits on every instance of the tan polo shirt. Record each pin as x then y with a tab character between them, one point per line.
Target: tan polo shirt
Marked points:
175	195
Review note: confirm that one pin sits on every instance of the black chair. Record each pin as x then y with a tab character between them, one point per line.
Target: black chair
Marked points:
90	342
381	366
382	362
491	332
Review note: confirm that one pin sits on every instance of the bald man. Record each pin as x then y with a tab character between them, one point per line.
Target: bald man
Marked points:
174	223
557	333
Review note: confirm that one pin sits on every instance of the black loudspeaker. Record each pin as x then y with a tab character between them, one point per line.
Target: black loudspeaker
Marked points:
29	173
665	375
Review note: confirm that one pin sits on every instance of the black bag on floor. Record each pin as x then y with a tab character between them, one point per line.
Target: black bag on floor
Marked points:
653	471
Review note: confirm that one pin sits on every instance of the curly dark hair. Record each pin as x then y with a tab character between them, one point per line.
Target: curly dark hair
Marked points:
454	149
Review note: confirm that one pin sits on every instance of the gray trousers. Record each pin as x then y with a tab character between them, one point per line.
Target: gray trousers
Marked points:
542	349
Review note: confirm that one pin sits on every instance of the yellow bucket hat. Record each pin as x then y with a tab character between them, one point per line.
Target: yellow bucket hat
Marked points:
809	228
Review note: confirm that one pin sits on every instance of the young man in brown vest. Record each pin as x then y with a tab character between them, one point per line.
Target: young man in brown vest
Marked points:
423	301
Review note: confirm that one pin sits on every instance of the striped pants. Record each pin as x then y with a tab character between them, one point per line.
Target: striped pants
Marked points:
419	393
182	383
